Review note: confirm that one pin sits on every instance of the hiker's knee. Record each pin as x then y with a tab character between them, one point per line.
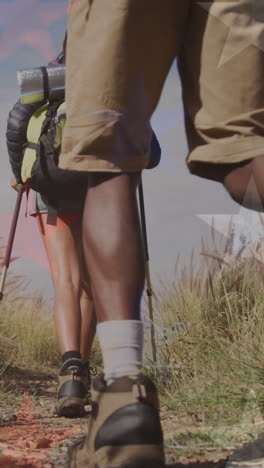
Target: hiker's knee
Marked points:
67	281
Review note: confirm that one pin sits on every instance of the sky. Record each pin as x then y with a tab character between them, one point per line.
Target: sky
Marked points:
179	206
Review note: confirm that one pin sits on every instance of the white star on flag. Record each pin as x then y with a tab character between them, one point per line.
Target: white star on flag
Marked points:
245	20
246	227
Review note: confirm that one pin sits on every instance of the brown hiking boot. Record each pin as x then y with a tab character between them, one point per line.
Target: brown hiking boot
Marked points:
74	385
124	429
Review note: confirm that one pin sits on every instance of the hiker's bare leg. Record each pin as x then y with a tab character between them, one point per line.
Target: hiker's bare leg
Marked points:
113	245
60	242
88	328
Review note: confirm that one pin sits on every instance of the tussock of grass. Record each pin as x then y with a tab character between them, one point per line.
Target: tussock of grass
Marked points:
27	334
29	325
210	337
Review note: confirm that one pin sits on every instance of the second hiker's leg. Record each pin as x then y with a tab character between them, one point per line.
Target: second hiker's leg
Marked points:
85	299
61	241
60	244
88	327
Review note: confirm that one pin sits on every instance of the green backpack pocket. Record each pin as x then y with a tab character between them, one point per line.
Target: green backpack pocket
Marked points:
40	161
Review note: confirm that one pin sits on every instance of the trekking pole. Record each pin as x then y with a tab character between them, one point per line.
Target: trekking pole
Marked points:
149	289
10	241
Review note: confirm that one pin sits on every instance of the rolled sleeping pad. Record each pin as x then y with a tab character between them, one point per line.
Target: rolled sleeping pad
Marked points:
42	83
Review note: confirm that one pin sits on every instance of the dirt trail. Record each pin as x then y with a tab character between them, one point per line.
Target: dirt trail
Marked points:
32	436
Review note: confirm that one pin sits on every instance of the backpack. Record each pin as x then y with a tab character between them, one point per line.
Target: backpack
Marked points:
40	160
33	137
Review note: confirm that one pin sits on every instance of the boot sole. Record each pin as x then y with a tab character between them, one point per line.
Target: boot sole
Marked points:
153	457
141	464
70	407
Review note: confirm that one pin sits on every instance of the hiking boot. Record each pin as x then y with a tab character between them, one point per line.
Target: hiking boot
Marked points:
124	429
74	383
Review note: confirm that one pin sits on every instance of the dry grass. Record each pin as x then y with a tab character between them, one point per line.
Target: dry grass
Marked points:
209	328
27	333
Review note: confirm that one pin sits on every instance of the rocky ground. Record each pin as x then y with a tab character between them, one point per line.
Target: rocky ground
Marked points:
31	435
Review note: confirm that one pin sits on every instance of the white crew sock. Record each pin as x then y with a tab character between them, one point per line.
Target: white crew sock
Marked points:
121	343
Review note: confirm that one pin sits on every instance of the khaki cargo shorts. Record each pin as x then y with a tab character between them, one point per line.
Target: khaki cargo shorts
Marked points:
118	57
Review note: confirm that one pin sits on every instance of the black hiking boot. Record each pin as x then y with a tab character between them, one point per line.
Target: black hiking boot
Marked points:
73	391
124	429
